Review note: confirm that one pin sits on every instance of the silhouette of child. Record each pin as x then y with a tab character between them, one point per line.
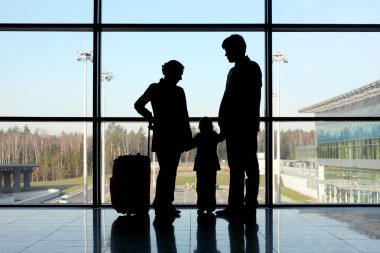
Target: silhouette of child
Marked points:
206	164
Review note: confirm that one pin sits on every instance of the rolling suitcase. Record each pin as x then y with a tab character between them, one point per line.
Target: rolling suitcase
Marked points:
130	183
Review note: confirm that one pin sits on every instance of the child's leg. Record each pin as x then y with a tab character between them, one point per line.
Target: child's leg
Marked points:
211	191
200	192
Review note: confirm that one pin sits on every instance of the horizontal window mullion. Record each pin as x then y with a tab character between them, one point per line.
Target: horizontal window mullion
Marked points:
184	27
140	119
325	27
295	119
191	27
48	27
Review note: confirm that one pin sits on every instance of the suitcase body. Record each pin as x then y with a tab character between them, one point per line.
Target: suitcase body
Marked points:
130	184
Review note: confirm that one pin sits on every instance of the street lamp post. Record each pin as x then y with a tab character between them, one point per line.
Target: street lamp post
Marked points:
278	58
85	57
105	77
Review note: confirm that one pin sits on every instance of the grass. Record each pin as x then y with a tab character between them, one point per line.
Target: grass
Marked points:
223	178
294	195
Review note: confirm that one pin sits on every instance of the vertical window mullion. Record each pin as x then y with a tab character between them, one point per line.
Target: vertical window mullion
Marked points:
96	122
268	104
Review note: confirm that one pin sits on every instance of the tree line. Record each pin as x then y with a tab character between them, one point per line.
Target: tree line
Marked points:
61	156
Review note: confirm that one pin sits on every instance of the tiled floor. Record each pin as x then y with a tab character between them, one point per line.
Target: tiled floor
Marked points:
72	230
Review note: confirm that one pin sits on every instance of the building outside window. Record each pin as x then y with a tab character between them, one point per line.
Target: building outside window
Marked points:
347	153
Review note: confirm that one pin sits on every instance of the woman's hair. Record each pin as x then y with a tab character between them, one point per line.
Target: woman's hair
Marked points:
172	67
205	124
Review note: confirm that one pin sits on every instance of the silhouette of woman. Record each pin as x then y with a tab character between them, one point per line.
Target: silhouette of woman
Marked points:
171	131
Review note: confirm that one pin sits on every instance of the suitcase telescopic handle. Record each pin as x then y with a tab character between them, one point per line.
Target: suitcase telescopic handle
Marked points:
149	129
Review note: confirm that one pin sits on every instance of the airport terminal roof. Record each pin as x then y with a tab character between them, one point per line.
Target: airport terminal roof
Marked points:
365	92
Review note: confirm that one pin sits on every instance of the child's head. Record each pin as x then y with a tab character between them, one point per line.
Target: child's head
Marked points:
205	125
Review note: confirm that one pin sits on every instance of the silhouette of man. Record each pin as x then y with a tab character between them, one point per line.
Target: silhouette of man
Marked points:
171	131
241	104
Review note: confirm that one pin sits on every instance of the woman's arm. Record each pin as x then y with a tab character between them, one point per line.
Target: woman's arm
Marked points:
142	101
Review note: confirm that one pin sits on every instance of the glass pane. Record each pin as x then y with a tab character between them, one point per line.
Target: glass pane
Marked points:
294	162
326	11
43	77
42	163
327	74
46	11
136	63
131	138
118	139
171	11
328	162
261	159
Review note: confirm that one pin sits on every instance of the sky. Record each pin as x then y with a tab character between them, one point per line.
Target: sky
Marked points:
42	77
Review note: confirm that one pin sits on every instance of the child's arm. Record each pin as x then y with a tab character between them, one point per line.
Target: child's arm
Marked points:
193	143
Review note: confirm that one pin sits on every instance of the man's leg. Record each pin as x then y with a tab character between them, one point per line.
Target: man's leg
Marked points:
236	191
253	178
236	188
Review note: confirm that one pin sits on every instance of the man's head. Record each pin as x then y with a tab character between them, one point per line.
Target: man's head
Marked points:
235	47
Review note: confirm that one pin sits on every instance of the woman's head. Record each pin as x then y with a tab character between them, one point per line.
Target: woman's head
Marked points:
205	125
173	70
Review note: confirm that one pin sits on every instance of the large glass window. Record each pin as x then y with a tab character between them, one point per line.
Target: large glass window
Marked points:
71	72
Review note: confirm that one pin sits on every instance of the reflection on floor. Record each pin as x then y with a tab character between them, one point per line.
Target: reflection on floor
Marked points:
71	230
